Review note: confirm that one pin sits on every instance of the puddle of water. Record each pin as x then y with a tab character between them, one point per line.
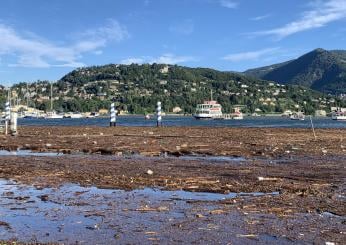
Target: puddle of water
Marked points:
206	158
213	158
28	153
71	213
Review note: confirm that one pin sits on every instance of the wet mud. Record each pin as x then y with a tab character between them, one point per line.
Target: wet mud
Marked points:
173	185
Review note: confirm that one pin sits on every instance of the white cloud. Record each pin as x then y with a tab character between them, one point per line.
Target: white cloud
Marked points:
163	59
251	55
133	60
34	51
185	27
228	4
113	31
171	59
261	17
320	14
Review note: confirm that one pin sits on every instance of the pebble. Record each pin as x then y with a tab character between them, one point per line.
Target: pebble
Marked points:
150	172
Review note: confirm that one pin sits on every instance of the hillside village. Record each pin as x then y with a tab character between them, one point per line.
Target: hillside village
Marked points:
136	89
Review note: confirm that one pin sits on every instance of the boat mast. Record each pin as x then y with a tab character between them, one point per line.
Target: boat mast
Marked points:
211	94
51	97
27	96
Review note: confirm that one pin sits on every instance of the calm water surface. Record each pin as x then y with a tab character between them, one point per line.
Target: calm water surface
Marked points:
190	121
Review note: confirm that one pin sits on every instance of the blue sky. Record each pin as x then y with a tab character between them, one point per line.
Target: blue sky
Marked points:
42	39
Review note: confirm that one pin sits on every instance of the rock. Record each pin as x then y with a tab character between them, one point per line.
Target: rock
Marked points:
150	172
48	145
106	151
43	198
199	216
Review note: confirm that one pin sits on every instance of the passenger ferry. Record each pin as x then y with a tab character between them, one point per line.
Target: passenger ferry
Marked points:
210	109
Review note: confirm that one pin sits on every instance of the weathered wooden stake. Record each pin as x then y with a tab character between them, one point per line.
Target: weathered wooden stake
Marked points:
13	123
113	121
158	114
7	116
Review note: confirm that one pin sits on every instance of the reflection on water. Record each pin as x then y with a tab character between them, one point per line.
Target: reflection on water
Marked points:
71	213
28	153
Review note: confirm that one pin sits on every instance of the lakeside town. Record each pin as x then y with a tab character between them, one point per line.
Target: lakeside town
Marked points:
172	122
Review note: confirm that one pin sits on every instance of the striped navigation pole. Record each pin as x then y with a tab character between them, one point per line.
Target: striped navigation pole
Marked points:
113	121
158	114
7	116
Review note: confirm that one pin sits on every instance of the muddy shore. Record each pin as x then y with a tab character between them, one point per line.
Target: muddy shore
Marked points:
302	178
148	141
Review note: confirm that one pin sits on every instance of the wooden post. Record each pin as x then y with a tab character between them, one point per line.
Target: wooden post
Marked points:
13	123
158	114
113	121
7	116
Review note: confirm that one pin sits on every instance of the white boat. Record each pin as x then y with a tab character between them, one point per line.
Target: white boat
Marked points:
297	116
76	115
73	115
237	114
210	109
31	115
53	115
92	115
339	115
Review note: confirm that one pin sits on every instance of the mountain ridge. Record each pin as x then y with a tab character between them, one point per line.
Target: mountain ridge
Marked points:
320	69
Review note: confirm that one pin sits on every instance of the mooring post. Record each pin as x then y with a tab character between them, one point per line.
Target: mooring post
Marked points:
7	116
158	114
113	121
13	123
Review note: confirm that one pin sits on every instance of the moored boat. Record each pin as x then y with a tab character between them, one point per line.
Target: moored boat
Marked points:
339	115
53	115
237	114
73	115
297	116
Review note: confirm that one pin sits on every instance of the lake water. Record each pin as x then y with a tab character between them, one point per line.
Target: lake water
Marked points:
280	122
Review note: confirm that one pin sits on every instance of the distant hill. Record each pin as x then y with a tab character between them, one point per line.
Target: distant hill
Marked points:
139	87
319	69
